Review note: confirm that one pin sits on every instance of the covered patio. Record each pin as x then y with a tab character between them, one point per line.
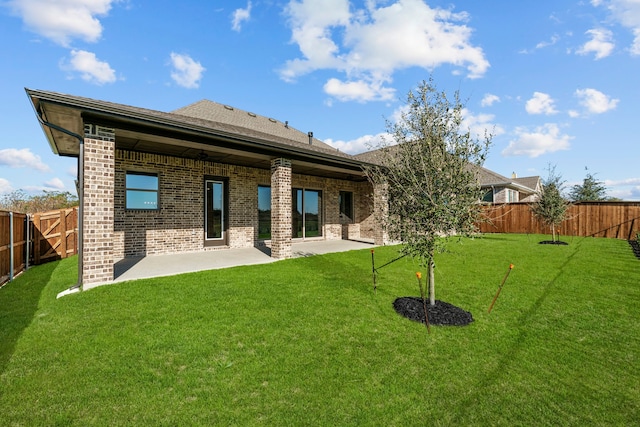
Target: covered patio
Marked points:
133	268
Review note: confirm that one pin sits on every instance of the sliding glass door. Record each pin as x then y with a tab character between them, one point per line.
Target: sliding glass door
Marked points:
307	213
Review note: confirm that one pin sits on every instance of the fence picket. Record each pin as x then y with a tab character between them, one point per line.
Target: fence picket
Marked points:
619	220
37	239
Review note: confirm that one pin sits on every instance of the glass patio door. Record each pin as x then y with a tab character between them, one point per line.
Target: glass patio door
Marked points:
215	216
307	213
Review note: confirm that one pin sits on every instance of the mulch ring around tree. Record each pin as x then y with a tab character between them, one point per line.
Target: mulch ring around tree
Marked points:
635	247
440	314
553	242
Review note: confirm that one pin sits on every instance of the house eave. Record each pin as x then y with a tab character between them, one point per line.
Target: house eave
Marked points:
72	112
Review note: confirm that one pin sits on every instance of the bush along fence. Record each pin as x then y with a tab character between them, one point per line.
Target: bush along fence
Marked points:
35	239
618	220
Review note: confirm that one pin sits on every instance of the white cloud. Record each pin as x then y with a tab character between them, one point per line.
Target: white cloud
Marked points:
358	145
554	39
541	103
5	186
544	139
360	91
91	69
601	43
627	13
369	45
186	72
63	20
23	158
635	47
239	16
480	124
595	101
489	99
55	184
625	189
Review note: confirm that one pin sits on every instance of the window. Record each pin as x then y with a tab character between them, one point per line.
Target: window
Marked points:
264	212
488	196
142	190
346	206
307	213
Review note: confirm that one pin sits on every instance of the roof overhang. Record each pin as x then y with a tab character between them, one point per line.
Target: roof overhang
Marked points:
511	185
63	117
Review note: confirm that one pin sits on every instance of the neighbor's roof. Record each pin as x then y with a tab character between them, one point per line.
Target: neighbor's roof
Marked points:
490	178
486	177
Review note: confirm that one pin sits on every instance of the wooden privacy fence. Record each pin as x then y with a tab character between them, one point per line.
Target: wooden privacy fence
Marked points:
36	239
13	244
619	220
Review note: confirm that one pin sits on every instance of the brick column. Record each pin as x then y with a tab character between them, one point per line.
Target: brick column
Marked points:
281	209
98	205
381	212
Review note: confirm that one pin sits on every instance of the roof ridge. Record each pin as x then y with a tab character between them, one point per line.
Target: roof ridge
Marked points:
214	111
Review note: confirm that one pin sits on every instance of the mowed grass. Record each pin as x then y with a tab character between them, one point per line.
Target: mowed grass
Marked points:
307	342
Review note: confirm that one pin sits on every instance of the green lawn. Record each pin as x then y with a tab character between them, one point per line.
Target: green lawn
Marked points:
306	342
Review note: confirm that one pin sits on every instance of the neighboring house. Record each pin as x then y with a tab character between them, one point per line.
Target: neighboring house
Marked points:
496	188
500	189
206	176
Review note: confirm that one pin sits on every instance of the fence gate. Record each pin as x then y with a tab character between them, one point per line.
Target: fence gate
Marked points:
55	235
36	239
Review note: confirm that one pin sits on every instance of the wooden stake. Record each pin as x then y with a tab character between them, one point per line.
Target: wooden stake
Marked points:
424	302
500	288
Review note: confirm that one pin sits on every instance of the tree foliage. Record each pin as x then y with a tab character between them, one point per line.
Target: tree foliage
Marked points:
551	207
590	190
428	167
21	202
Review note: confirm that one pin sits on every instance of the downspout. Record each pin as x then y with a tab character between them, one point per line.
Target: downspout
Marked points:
80	189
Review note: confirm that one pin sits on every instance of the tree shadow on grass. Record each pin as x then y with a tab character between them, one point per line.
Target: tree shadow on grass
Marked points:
511	356
19	302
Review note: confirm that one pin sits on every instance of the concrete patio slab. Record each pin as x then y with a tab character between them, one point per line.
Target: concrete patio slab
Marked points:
168	265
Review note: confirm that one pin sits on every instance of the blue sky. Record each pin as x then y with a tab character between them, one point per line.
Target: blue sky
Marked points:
556	81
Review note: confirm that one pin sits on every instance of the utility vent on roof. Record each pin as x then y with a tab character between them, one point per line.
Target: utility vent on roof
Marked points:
272	120
228	107
252	114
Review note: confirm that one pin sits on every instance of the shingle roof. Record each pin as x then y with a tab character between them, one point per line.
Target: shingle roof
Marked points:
529	181
226	114
209	116
486	177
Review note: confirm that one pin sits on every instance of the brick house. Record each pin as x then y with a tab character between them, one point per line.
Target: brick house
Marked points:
500	189
205	177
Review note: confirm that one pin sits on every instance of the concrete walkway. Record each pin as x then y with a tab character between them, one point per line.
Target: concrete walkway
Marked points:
168	265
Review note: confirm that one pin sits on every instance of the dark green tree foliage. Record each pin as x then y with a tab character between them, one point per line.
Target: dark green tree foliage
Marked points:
590	190
426	167
551	207
21	202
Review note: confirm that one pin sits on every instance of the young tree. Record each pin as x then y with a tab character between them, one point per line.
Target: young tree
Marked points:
590	190
427	167
551	207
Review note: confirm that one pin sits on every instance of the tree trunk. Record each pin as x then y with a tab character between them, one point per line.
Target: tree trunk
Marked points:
432	286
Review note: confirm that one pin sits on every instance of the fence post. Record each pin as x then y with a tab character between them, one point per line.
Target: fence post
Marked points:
63	232
37	236
11	246
27	226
